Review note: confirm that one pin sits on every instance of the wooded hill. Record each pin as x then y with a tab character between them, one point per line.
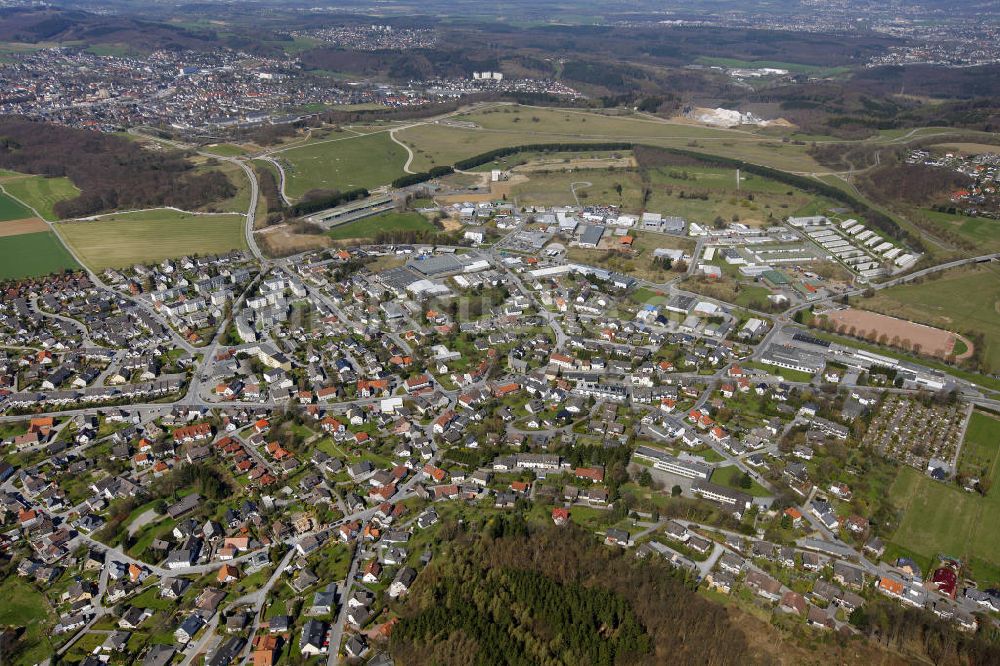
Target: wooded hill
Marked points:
112	172
504	591
556	596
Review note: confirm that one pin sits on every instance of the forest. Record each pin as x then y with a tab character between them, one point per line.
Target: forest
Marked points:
508	591
912	183
507	594
111	172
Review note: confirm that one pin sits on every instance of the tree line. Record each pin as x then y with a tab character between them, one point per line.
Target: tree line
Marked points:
422	176
318	200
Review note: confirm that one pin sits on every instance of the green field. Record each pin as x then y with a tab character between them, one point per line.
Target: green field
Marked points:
934	302
942	519
40	193
11	209
981	446
553	189
368	227
364	161
118	240
29	255
24	606
496	127
983	232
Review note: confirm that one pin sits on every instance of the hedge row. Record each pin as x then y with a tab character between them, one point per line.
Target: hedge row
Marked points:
423	176
324	202
479	160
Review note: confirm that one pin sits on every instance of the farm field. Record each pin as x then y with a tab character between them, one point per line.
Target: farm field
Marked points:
370	226
31	254
934	303
441	143
363	161
941	518
117	240
39	192
11	209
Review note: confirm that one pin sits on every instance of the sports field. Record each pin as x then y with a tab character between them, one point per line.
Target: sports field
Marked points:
872	326
370	226
343	164
39	192
942	519
118	240
964	299
31	254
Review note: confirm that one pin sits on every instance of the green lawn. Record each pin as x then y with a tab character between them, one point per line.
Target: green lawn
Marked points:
934	302
370	226
28	255
150	236
365	161
729	476
942	519
11	209
24	606
644	296
41	193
